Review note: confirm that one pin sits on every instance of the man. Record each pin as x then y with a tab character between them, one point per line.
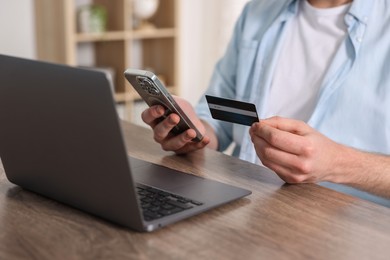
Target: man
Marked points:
317	70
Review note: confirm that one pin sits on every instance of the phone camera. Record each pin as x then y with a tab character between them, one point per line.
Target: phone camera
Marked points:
148	86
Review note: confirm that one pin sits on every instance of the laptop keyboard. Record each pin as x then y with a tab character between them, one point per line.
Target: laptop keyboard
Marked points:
157	203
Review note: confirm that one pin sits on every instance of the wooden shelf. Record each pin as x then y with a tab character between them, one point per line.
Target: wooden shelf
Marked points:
131	95
154	33
124	35
124	97
96	37
157	48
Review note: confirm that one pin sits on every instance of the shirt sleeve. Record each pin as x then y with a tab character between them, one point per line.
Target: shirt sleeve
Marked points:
223	84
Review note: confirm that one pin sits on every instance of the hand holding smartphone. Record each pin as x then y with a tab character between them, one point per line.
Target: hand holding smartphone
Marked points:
153	92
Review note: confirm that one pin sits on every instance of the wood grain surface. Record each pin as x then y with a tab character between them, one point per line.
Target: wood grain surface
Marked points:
277	221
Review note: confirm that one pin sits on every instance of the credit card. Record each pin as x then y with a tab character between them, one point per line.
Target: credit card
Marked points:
233	111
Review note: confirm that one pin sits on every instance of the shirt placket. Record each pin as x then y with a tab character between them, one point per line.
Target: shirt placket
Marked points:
340	66
266	60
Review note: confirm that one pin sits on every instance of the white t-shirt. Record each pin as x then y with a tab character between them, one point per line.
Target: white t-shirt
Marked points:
310	43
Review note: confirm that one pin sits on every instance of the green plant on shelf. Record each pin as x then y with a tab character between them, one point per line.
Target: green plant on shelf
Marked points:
92	19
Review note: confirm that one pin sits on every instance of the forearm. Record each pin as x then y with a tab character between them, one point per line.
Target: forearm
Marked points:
366	171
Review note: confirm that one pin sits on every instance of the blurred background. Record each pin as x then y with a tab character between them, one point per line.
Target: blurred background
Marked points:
179	40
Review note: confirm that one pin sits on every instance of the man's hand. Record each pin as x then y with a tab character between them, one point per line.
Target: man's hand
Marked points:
181	143
299	154
295	151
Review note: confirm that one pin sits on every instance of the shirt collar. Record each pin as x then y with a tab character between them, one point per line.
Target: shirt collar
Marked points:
360	9
290	9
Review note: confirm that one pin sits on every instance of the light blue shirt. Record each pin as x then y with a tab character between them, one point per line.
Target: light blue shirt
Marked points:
353	106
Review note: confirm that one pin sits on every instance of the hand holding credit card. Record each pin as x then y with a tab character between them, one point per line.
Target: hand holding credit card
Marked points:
233	111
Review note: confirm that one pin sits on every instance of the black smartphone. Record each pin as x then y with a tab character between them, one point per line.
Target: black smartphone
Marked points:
153	92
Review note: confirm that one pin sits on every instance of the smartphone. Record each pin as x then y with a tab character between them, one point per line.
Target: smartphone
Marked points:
153	92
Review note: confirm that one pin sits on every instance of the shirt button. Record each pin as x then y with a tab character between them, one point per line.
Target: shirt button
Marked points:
359	39
365	18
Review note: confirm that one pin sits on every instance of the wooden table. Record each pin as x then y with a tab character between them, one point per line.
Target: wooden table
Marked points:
277	221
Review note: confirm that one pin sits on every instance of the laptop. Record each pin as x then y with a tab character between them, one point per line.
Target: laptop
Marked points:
61	137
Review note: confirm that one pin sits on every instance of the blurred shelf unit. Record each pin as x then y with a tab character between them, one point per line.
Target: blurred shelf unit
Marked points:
118	47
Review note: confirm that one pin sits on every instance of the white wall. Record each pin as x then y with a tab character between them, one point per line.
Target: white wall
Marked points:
205	29
17	33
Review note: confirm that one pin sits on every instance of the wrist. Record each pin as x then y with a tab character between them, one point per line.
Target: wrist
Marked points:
348	165
213	144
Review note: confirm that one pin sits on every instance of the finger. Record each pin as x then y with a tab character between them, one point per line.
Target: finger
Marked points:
288	125
192	146
177	142
162	129
285	141
270	154
183	143
285	173
150	114
274	160
290	167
